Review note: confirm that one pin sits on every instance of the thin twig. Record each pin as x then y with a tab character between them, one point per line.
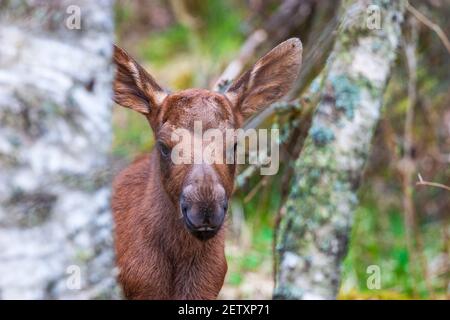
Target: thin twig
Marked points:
414	238
433	26
422	182
278	107
253	192
248	49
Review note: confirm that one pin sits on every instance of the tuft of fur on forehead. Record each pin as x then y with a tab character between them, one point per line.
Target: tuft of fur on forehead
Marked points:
185	107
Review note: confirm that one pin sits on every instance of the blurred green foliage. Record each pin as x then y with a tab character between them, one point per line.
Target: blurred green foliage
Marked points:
159	48
132	135
378	238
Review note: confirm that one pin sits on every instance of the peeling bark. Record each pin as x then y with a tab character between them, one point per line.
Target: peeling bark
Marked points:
319	210
55	135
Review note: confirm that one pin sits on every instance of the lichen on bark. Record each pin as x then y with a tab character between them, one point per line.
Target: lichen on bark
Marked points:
314	231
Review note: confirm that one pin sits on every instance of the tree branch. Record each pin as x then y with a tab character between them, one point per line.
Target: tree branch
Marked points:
422	182
433	26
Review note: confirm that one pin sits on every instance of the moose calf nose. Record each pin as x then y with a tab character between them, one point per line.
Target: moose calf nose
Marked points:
199	216
203	220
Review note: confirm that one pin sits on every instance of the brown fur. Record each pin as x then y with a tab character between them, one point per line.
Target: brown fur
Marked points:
158	257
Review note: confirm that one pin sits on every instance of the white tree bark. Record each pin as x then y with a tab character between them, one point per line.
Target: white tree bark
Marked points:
55	133
314	233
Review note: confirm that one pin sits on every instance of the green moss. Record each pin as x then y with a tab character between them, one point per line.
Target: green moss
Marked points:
313	199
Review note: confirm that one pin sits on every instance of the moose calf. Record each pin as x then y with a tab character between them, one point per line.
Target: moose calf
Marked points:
169	217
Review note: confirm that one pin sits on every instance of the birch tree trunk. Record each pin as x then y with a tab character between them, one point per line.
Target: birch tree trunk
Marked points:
55	134
314	232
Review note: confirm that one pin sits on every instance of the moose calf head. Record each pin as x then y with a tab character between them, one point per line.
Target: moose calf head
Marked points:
200	191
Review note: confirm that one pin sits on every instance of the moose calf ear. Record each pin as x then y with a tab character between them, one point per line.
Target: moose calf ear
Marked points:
269	79
134	88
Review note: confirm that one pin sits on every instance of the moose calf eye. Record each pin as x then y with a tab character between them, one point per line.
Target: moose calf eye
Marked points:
164	149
